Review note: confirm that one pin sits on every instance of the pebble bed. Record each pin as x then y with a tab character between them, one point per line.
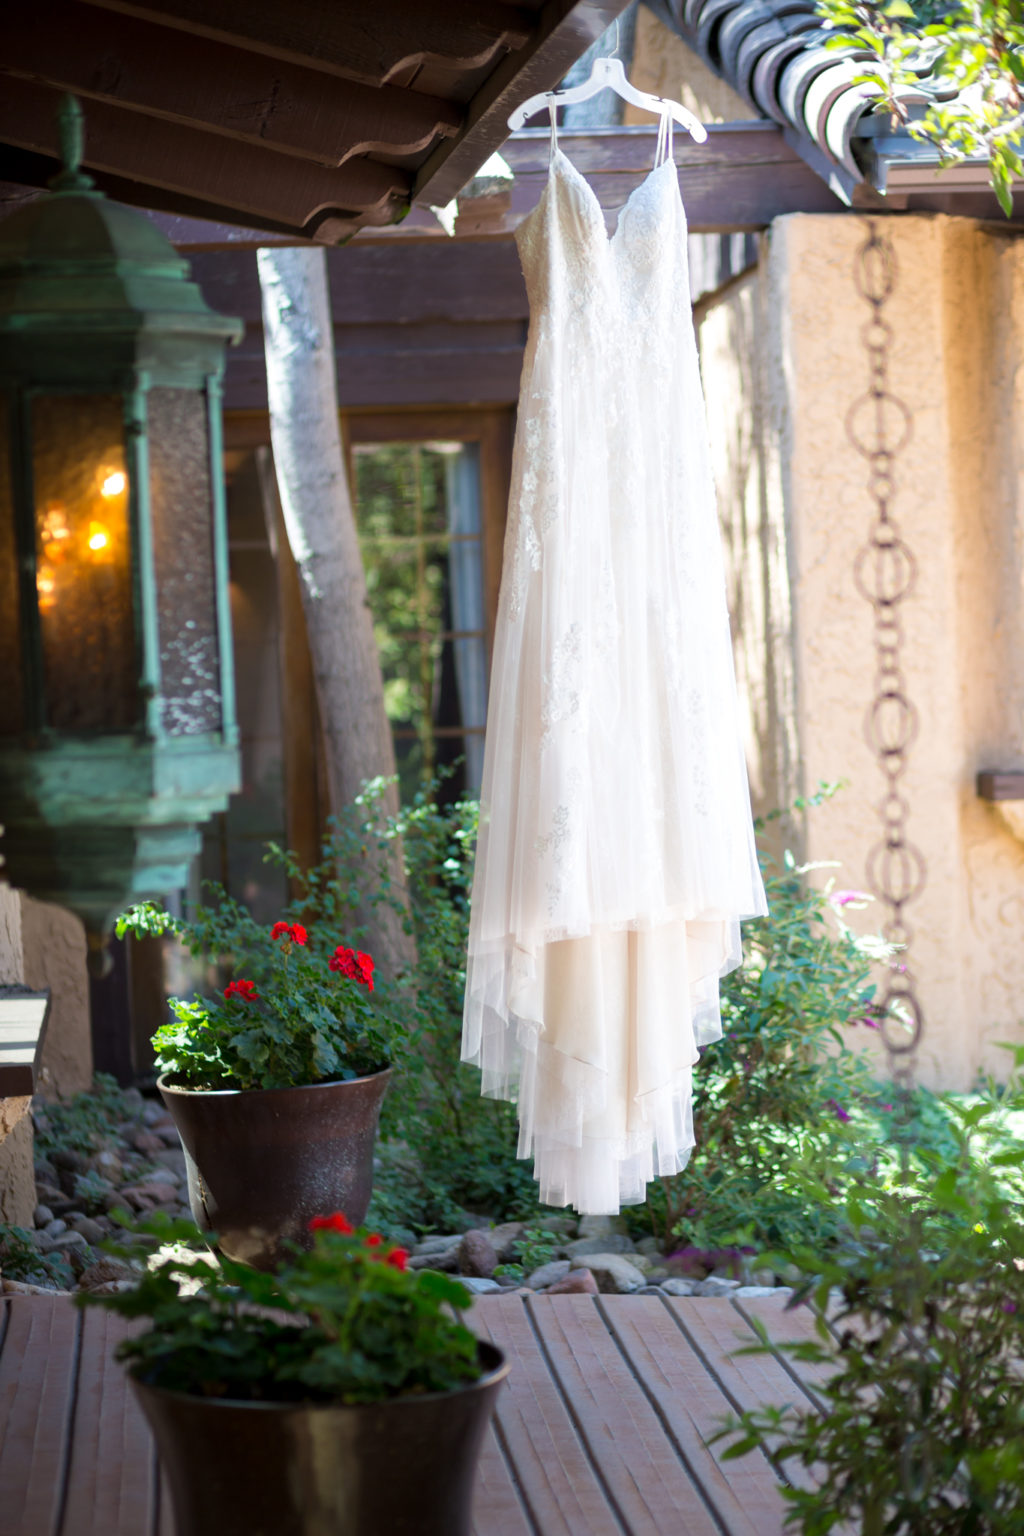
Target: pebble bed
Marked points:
140	1168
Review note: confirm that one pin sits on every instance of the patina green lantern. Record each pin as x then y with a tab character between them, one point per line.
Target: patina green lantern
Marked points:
117	724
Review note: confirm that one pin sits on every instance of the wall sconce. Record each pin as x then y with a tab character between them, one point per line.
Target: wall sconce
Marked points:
117	724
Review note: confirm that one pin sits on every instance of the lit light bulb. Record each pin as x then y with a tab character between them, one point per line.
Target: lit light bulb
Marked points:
46	587
55	531
99	538
113	484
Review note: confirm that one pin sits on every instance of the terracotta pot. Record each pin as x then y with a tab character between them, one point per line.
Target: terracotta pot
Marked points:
405	1467
263	1161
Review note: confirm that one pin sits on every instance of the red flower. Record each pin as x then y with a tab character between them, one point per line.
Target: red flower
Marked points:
294	932
243	989
398	1258
356	966
335	1223
374	1240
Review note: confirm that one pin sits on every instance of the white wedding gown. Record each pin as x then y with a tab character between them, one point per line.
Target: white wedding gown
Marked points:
616	852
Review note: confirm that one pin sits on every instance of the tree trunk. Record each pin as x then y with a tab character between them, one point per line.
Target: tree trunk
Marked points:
317	507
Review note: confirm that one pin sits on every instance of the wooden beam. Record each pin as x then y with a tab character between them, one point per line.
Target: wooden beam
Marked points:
374	44
460	282
220	171
563	32
1007	784
186	79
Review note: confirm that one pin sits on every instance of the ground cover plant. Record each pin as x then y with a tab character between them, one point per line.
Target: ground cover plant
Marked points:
920	1304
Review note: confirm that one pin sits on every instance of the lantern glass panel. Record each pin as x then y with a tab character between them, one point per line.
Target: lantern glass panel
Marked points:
83	563
182	511
11	681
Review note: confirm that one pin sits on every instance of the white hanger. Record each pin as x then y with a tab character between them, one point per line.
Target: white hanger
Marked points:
608	74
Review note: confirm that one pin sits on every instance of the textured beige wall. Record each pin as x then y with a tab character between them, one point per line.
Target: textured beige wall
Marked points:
663	65
54	956
786	468
17	1179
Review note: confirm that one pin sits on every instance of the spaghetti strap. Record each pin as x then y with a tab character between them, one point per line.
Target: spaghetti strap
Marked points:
553	114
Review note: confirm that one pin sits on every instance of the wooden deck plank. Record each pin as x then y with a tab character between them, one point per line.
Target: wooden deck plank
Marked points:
496	1507
38	1370
558	1482
646	1480
718	1330
745	1493
111	1486
797	1327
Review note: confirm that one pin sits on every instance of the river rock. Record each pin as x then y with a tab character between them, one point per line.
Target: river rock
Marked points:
105	1271
479	1285
716	1285
477	1255
42	1216
676	1286
504	1237
614	1274
576	1282
612	1242
89	1229
547	1274
601	1226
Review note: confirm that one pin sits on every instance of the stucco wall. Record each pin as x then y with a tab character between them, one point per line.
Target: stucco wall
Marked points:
783	361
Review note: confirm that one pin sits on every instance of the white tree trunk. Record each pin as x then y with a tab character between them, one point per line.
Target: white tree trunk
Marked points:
317	507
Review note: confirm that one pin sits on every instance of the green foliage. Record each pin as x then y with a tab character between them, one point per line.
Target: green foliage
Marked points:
344	1323
287	1019
20	1259
923	1428
772	1096
87	1122
537	1246
972	48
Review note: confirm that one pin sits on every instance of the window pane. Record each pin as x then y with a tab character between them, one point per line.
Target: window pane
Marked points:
418	507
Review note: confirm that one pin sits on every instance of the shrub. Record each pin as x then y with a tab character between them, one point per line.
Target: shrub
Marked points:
922	1433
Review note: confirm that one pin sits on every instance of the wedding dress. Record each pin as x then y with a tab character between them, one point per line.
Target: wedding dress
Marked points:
616	852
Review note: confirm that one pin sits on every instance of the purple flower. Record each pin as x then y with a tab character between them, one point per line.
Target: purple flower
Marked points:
837	1109
885	1108
1009	1306
848	898
866	1020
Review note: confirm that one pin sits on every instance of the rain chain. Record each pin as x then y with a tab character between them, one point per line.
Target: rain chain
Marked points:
879	426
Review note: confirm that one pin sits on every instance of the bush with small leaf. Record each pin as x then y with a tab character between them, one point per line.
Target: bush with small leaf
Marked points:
921	1432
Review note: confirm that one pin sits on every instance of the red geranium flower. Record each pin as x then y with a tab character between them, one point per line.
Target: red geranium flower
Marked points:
374	1240
356	966
243	989
335	1223
294	932
398	1258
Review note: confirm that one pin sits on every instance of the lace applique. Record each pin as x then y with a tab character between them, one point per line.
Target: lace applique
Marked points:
561	683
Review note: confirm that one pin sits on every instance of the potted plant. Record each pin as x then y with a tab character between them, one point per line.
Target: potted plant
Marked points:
275	1081
338	1395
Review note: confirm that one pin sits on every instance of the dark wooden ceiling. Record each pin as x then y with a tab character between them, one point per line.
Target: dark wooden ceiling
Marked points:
310	118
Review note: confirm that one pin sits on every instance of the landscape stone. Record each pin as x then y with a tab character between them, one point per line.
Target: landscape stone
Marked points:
561	1226
23	1288
54	1226
755	1290
614	1273
650	1246
147	1141
716	1285
438	1242
106	1270
577	1281
601	1226
479	1284
476	1255
89	1229
42	1216
153	1113
504	1237
612	1242
547	1274
675	1285
446	1260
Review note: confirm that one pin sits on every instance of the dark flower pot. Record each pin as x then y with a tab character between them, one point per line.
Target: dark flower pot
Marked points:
404	1467
262	1162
